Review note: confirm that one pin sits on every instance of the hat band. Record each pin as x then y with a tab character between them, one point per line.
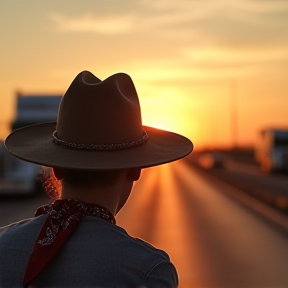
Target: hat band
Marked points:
99	147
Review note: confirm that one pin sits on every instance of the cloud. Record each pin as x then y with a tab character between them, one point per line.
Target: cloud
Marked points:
207	33
209	19
171	74
103	24
226	21
234	56
208	7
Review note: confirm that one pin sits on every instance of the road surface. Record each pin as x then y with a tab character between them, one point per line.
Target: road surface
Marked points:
213	239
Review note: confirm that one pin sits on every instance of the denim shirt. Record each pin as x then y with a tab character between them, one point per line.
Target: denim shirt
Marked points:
98	254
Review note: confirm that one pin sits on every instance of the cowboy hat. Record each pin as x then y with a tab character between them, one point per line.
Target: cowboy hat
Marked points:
99	127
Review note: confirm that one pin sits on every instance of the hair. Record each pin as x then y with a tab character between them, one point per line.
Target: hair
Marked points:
76	178
51	185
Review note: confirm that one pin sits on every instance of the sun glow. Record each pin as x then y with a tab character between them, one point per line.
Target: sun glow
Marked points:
165	108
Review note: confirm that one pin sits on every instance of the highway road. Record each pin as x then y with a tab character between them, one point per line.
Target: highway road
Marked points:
269	188
216	236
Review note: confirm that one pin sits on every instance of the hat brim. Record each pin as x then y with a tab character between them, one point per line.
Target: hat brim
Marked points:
34	144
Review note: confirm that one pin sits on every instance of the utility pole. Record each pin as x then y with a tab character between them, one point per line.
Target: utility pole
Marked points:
234	113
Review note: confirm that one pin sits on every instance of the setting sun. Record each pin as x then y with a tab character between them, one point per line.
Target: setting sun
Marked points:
166	109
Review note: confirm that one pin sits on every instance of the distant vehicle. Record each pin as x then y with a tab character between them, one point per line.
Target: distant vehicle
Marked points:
211	160
17	176
271	150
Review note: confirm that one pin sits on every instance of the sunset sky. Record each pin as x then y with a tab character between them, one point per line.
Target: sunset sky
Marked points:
201	68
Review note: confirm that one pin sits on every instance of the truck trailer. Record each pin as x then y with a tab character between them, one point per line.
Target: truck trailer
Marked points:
19	177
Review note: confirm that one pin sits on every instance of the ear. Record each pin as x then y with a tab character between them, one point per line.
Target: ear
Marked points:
134	174
58	173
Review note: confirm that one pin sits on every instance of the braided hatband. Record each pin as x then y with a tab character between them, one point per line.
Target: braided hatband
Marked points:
99	147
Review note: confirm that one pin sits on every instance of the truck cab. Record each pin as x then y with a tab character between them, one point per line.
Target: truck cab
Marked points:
271	150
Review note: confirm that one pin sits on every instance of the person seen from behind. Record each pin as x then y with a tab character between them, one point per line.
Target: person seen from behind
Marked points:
96	150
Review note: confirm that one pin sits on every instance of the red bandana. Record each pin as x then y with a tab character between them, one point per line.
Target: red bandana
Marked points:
63	218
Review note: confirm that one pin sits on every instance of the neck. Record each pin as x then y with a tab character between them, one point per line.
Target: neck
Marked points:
111	197
92	196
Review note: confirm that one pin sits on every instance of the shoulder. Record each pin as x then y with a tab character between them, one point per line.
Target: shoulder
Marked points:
147	247
12	226
163	274
135	255
96	230
116	236
16	229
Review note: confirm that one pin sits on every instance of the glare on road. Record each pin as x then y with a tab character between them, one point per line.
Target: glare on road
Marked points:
212	239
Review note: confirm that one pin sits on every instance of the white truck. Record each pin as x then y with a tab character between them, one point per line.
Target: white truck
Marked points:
271	150
16	176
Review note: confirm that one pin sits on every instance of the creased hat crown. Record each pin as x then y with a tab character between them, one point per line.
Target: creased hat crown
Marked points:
100	112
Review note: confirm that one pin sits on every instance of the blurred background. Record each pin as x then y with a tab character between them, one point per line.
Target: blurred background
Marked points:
214	71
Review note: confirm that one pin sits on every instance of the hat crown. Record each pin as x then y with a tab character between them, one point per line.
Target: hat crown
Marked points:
100	112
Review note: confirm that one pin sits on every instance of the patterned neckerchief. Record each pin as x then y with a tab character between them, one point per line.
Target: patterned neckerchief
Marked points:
63	217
